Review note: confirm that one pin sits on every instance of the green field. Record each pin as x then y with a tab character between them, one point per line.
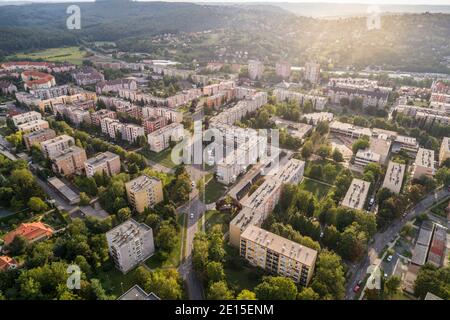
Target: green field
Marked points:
163	157
214	217
213	191
67	54
318	189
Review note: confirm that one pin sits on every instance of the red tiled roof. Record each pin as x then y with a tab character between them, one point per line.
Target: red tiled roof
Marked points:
30	231
26	63
37	77
6	262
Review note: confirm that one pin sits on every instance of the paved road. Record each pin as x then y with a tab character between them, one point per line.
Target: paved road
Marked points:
382	239
197	208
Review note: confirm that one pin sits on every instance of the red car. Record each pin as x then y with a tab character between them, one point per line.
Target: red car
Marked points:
356	288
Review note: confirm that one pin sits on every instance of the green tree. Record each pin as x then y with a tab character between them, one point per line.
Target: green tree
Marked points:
219	291
443	176
359	144
124	214
307	294
246	295
329	280
337	155
307	149
276	288
17	246
392	285
214	271
37	205
84	199
166	237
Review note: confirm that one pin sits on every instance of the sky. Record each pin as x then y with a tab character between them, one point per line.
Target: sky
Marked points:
403	2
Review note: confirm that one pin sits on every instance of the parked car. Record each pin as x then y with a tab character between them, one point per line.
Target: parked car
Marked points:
356	288
389	258
192	215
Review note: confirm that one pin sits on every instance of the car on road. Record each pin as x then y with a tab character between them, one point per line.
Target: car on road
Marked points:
389	258
191	215
405	214
356	288
192	184
371	201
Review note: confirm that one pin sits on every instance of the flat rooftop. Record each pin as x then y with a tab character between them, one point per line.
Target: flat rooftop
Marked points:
368	155
394	176
274	242
100	158
141	183
126	232
356	194
425	158
62	188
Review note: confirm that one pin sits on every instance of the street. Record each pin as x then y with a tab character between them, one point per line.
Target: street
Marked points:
382	239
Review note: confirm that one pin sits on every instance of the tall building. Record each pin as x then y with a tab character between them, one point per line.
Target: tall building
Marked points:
53	147
97	116
144	192
26	117
356	195
255	69
130	243
283	69
394	177
32	126
444	152
36	137
106	162
278	255
312	72
69	161
131	131
160	139
424	163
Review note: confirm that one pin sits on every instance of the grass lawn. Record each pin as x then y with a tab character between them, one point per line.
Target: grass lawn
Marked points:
240	275
318	189
173	260
163	157
66	54
113	281
213	191
214	217
439	209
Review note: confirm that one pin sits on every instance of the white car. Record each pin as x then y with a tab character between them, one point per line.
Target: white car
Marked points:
389	258
191	215
193	184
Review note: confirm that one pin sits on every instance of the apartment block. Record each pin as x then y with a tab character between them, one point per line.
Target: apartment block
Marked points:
283	69
364	157
130	243
255	69
26	117
444	152
394	177
36	137
115	85
356	195
130	132
424	163
312	72
153	124
53	147
169	114
144	192
106	162
318	102
316	117
160	139
278	255
70	161
32	126
97	116
111	126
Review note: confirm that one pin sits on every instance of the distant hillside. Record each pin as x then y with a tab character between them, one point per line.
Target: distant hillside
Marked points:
410	42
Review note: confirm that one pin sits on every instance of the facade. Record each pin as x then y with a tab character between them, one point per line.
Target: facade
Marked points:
444	152
130	132
160	139
130	243
364	157
424	163
356	195
26	117
153	124
283	69
316	117
97	116
115	85
318	102
169	114
32	232
106	162
255	69
278	255
111	126
394	177
87	76
32	126
53	147
69	161
144	192
7	87
312	72
36	137
37	80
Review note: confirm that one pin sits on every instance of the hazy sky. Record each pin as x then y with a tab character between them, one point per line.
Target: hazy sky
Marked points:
404	2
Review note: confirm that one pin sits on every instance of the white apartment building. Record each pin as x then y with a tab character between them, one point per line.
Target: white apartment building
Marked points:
26	117
312	72
424	163
318	102
144	192
394	177
316	117
366	156
130	243
444	152
283	69
106	162
356	195
169	114
53	147
255	69
131	131
32	126
111	126
160	139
